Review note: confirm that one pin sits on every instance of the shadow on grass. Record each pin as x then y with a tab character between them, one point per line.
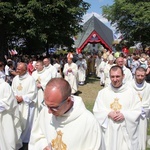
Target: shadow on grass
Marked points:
92	79
78	93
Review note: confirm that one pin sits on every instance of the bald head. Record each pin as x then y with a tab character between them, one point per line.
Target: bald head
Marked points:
21	68
57	96
61	84
46	61
120	61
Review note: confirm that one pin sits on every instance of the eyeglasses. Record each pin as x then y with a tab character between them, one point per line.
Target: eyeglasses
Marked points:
55	108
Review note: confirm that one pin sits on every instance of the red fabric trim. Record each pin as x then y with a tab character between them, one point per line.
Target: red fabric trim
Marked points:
91	39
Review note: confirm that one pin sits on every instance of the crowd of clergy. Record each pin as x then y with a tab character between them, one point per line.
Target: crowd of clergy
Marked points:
120	112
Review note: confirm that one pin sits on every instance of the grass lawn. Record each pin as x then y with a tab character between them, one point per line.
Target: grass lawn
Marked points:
89	91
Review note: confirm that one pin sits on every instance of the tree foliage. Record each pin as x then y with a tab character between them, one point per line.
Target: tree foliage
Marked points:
131	18
40	23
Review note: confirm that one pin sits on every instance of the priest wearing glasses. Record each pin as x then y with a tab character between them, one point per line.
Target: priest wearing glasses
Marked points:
64	123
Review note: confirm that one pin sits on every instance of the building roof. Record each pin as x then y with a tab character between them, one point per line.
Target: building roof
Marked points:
94	31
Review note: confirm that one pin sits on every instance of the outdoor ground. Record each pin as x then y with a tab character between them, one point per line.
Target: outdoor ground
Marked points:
89	92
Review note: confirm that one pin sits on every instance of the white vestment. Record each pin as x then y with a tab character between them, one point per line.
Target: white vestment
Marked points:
82	66
75	130
97	63
6	70
25	86
52	70
143	91
58	68
106	74
135	64
101	70
42	77
128	75
10	129
121	135
71	77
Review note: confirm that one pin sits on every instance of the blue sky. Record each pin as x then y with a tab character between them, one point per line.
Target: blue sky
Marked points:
97	11
96	4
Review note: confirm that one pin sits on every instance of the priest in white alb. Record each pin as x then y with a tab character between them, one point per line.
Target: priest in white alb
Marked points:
10	128
64	123
25	91
107	68
127	72
82	66
143	91
70	72
50	67
117	108
41	75
101	69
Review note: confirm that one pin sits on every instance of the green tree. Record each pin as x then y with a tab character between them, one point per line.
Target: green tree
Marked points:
131	18
6	15
41	23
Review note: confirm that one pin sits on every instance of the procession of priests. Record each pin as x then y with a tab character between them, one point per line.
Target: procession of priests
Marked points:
41	110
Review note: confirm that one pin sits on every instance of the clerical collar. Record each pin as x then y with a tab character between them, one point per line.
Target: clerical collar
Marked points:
41	71
117	87
47	67
69	64
23	76
69	108
139	85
